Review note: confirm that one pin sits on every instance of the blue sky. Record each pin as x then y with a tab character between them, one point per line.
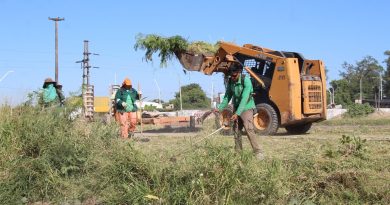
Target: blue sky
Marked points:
333	31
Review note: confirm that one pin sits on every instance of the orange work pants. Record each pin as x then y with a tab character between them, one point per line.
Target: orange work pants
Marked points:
133	121
127	121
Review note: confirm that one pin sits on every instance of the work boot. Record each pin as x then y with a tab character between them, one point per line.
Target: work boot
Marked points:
259	156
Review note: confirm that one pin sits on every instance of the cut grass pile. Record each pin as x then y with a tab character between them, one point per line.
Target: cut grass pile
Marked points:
48	158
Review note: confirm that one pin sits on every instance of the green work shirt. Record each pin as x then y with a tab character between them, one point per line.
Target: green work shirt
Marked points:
123	95
49	94
241	94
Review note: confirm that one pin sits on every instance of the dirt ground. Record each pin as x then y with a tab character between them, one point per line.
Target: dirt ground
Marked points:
376	129
318	131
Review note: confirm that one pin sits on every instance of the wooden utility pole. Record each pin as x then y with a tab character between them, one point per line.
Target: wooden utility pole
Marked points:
56	20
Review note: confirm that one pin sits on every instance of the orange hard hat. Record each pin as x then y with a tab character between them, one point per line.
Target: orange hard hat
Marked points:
127	81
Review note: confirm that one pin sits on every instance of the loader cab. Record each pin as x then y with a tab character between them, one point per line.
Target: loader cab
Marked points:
265	70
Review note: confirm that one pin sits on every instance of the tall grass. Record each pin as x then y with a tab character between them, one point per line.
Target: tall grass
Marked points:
47	158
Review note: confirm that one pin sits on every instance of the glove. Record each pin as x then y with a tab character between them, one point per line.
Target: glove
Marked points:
124	104
234	117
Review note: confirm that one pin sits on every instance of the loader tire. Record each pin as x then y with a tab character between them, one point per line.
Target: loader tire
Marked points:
298	129
266	120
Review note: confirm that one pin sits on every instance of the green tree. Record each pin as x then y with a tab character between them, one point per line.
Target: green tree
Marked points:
386	77
367	70
193	97
343	92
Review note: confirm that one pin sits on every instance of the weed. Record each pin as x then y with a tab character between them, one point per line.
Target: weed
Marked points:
352	146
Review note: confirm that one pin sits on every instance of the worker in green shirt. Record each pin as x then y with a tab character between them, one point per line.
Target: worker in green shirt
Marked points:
239	88
50	96
126	108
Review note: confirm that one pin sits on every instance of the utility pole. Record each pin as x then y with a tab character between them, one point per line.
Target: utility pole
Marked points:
87	88
56	20
86	65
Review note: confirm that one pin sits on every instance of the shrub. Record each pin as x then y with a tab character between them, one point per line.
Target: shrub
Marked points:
149	108
358	110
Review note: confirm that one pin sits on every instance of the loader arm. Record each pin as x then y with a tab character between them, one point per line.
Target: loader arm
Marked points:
225	56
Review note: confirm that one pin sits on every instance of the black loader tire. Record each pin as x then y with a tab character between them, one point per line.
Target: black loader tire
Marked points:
266	120
298	129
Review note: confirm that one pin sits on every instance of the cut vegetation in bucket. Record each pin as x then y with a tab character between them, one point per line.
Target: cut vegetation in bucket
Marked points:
167	47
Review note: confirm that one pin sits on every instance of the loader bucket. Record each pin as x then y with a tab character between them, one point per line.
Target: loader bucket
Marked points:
191	61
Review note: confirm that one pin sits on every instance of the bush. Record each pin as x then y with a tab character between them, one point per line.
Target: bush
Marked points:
150	108
359	110
43	151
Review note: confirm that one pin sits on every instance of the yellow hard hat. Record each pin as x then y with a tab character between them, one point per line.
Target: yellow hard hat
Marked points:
127	81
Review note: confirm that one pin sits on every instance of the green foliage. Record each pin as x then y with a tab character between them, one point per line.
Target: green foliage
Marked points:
343	93
347	89
42	148
349	146
193	97
34	98
352	146
359	110
149	108
49	159
168	47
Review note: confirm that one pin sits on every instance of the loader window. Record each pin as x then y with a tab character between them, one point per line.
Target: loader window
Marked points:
261	67
251	63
